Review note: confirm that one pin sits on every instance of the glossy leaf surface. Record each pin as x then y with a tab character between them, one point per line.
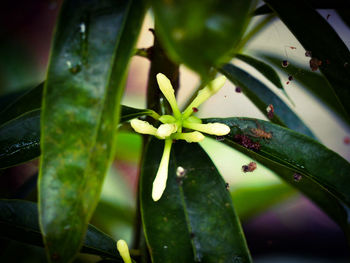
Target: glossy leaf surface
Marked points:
20	137
194	220
85	81
263	68
29	101
318	172
266	70
19	221
201	35
312	81
20	140
262	96
317	36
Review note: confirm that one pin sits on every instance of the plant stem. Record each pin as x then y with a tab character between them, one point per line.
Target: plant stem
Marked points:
160	63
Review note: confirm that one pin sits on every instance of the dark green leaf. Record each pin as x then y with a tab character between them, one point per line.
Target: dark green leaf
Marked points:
262	96
312	81
344	15
129	113
20	137
263	68
252	200
194	221
29	101
9	98
19	221
317	4
91	49
316	35
201	35
318	172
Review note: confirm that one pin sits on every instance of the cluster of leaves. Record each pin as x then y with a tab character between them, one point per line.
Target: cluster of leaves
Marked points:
71	123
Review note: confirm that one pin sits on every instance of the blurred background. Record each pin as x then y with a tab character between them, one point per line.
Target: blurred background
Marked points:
280	224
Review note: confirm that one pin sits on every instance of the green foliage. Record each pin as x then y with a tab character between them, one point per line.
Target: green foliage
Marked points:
72	168
186	217
73	119
201	35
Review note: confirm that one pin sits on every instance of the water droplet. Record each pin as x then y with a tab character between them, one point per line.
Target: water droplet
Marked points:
297	177
75	69
165	247
180	171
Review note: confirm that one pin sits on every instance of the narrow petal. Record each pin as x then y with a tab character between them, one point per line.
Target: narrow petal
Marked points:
143	127
189	136
204	94
169	93
166	130
159	182
124	251
218	129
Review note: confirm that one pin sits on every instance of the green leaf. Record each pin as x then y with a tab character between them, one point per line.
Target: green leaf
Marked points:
316	35
194	221
252	200
201	35
262	96
19	221
263	68
29	101
266	70
20	140
85	81
313	82
20	137
317	4
318	172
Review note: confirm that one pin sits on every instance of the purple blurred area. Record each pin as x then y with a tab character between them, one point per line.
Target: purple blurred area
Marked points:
296	230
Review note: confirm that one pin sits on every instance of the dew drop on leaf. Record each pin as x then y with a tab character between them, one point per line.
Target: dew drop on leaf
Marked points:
180	171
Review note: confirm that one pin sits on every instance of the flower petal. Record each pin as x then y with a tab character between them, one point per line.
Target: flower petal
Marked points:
159	182
143	127
204	94
216	128
169	93
166	130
